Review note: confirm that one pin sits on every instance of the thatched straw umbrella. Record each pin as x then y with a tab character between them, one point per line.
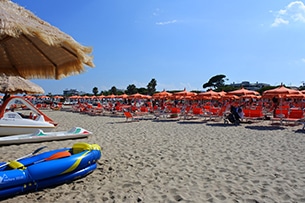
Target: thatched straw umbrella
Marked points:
17	84
32	48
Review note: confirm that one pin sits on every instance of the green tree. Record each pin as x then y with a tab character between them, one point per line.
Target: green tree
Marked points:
151	87
216	81
95	91
226	88
120	92
131	89
113	90
142	90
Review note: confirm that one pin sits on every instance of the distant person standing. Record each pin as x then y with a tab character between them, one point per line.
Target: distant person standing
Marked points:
275	105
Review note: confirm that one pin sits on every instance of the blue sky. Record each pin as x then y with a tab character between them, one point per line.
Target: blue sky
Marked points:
180	43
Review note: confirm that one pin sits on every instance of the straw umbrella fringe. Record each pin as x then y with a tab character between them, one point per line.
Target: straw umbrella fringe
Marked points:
27	42
17	84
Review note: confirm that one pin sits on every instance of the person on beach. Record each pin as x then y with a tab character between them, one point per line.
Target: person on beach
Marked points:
236	114
240	112
275	105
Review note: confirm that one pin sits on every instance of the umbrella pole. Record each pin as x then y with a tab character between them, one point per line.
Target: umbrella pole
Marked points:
281	106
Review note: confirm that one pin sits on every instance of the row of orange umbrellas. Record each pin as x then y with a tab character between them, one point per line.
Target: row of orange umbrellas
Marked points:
206	95
280	92
113	96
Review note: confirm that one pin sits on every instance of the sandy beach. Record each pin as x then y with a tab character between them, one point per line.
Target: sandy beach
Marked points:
170	161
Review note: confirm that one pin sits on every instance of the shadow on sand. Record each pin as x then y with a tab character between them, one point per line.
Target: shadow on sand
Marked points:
222	125
165	120
260	127
300	131
192	122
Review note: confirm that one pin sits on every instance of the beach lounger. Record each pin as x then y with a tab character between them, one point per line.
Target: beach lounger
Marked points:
197	112
280	115
295	116
129	116
98	110
253	114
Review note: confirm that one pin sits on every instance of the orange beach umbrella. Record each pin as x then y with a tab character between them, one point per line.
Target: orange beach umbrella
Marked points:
162	95
243	91
209	95
280	92
184	94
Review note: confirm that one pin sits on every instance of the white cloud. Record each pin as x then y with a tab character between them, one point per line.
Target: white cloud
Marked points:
166	22
279	21
303	60
295	12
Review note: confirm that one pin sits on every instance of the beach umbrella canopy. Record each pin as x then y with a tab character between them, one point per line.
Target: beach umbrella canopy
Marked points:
209	95
17	84
184	94
222	93
250	96
295	96
243	91
123	96
280	92
32	48
162	95
101	96
111	96
137	96
75	97
230	96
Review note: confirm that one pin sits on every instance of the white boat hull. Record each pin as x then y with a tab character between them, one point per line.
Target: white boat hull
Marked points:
12	124
15	130
41	136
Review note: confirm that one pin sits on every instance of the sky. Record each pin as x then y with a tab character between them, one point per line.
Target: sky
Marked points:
181	44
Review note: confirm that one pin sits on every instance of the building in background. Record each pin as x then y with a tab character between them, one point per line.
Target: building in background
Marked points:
250	86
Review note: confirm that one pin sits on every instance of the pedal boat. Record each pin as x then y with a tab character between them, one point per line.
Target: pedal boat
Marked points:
41	136
12	122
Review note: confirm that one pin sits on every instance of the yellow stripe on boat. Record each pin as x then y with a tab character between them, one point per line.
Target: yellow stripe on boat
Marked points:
80	147
74	166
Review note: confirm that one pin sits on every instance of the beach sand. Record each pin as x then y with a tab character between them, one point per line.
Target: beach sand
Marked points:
169	161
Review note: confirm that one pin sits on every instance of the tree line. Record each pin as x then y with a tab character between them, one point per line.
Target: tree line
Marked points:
131	89
217	83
